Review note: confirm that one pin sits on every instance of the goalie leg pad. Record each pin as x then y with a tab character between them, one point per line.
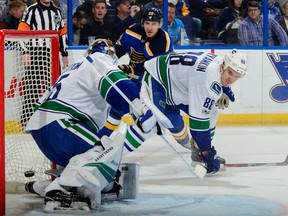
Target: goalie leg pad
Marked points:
94	157
70	176
100	171
92	187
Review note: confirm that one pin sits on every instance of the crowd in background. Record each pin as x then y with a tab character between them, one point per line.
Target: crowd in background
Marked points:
223	21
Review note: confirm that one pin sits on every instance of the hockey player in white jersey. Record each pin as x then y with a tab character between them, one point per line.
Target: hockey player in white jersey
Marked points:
73	121
193	82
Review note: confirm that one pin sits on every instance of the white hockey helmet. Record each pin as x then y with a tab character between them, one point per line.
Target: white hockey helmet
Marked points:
237	61
103	46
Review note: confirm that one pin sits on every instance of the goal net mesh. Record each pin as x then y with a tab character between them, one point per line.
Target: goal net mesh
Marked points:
27	74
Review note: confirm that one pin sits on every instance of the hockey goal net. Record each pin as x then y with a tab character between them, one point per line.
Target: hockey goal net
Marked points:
29	64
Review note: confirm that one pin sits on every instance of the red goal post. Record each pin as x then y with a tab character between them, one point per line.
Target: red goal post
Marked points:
12	82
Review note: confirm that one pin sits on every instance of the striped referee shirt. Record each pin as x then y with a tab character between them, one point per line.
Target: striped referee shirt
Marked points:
40	17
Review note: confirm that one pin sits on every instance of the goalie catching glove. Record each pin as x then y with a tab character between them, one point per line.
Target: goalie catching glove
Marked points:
144	116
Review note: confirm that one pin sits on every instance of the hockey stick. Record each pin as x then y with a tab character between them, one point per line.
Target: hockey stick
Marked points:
198	171
283	163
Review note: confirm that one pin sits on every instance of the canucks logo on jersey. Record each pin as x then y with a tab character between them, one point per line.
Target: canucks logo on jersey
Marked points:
216	87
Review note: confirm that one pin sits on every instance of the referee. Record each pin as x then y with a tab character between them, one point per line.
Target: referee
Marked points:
42	15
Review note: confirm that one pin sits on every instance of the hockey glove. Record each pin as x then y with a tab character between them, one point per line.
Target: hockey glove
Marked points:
211	161
228	91
146	122
223	102
127	69
143	116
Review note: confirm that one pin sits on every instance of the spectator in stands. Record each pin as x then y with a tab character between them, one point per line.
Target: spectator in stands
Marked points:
79	20
62	6
229	21
235	9
250	31
143	2
174	25
274	9
75	4
192	24
284	20
206	11
154	4
12	18
124	17
2	6
30	2
87	6
139	12
99	25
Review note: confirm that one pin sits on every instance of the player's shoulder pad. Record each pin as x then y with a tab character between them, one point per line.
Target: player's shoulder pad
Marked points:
135	30
159	45
162	35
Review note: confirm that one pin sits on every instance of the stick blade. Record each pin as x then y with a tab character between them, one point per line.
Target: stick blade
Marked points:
200	171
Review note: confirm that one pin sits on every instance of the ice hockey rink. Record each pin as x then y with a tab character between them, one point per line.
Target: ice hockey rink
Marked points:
167	187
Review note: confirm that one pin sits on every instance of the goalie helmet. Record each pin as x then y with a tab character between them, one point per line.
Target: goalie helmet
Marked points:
237	61
102	46
152	14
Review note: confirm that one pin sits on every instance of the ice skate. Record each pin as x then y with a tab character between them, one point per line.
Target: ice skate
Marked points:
197	158
37	187
29	187
57	201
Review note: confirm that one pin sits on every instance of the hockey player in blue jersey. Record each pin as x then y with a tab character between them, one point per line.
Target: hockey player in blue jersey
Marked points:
193	82
72	123
143	42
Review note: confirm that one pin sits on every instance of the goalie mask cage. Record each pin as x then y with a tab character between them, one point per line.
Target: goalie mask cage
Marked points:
21	84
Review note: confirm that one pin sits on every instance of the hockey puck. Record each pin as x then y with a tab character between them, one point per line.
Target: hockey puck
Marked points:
29	173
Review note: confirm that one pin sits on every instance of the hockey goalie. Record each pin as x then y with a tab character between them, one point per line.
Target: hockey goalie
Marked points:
74	125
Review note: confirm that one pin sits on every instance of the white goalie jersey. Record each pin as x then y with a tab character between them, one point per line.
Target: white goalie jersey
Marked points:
77	94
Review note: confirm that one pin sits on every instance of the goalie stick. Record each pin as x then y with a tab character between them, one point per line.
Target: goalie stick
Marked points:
282	163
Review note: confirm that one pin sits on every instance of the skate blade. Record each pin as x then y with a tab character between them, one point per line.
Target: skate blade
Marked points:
78	208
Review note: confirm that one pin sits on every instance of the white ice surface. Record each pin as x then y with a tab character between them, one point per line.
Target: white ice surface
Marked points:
168	188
